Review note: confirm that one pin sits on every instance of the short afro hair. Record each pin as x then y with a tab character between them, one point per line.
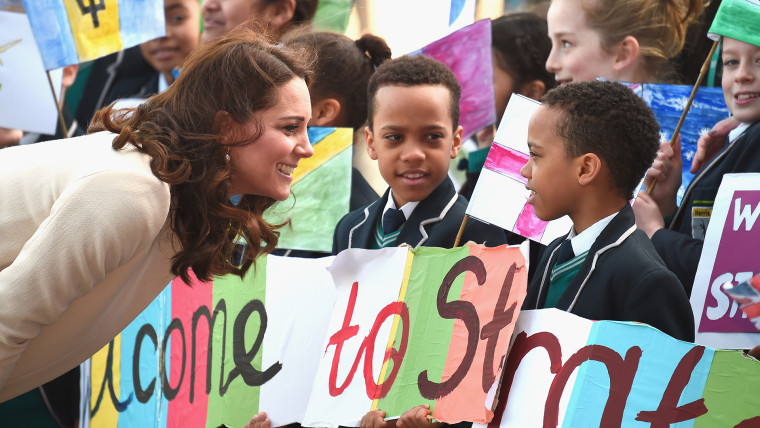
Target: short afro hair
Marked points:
608	119
415	70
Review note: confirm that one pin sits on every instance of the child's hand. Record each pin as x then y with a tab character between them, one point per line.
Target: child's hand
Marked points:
417	417
711	143
259	421
647	214
374	419
666	171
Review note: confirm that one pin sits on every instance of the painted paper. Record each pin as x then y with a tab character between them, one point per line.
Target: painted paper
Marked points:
332	15
317	347
26	100
467	52
566	371
668	103
729	254
205	354
320	193
500	196
74	31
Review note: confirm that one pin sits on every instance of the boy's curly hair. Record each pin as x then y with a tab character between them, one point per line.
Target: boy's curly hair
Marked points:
416	70
608	119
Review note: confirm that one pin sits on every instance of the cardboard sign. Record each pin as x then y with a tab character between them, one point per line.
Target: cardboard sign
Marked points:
729	254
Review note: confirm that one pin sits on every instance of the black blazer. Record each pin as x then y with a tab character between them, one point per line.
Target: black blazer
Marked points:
434	223
622	279
675	245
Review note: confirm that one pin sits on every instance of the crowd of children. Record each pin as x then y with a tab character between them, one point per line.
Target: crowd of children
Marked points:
590	143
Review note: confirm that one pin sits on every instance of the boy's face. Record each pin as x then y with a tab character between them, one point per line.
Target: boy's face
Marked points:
551	173
412	139
741	79
182	36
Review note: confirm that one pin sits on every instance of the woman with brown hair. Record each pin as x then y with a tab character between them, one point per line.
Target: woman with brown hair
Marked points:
94	228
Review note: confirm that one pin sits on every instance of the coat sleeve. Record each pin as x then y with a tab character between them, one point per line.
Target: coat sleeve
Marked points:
680	253
95	225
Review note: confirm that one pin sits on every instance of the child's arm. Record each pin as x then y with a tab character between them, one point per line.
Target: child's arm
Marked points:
665	173
417	417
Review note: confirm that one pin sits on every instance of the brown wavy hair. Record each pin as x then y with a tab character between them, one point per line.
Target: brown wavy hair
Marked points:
240	74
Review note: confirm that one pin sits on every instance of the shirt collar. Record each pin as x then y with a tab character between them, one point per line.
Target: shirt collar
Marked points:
583	241
407	209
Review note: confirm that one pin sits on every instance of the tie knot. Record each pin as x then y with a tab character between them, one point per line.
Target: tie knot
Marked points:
392	220
565	252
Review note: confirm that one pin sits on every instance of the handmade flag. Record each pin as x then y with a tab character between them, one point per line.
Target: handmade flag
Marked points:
26	101
467	52
320	192
332	15
500	196
729	254
668	102
74	31
737	19
563	370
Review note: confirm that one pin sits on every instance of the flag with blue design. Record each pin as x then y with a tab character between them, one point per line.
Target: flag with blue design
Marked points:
74	31
737	19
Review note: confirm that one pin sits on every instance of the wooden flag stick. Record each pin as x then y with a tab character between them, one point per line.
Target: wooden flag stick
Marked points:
461	229
701	77
57	107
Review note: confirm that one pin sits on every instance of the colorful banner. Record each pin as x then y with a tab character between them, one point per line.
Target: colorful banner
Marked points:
74	31
332	15
26	100
467	52
732	243
566	371
320	193
500	196
668	102
306	347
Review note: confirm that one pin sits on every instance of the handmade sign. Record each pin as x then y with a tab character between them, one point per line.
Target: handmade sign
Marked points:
563	370
500	196
26	100
319	350
320	192
729	254
448	334
747	295
332	15
467	52
74	31
204	354
668	102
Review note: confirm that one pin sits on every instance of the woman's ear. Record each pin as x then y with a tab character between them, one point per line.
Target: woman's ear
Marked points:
223	127
589	167
627	52
325	112
534	89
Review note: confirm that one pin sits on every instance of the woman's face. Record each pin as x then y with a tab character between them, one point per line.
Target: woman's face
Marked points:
182	33
577	53
221	16
265	167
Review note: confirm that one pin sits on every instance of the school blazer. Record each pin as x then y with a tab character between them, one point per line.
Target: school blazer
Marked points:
434	223
675	244
622	279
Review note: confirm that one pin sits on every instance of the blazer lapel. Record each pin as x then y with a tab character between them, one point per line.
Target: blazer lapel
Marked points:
362	234
430	211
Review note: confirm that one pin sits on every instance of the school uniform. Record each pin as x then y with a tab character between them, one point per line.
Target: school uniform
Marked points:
434	222
619	278
680	245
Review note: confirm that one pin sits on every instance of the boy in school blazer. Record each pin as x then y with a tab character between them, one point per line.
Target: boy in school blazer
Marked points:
413	133
590	143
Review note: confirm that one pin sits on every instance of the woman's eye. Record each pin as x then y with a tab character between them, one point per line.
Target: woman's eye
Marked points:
291	128
565	44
